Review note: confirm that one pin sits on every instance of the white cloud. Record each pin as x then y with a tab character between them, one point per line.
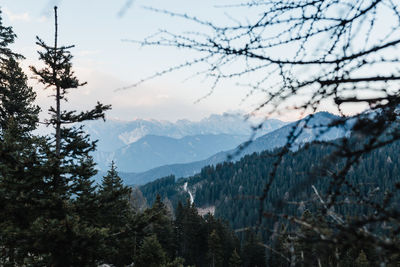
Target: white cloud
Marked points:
16	16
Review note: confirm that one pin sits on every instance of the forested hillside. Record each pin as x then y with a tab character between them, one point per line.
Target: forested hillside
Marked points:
234	188
320	191
52	213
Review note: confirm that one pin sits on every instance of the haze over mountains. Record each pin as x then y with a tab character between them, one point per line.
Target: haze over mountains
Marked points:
152	151
275	139
140	145
115	134
145	150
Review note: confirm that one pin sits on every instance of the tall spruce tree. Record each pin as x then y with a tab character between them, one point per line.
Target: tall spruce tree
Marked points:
117	218
191	235
72	236
21	195
215	253
160	223
20	162
114	198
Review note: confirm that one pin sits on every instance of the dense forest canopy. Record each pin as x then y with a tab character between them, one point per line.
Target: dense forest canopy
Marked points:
232	189
304	55
52	212
329	203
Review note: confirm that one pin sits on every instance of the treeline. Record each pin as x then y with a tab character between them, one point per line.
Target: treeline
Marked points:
192	240
51	212
157	236
234	189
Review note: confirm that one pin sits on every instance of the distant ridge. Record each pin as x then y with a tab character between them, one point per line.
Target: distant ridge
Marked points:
268	141
141	145
115	134
152	151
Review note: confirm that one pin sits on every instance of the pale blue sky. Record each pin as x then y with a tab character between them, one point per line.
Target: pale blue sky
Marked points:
102	59
106	62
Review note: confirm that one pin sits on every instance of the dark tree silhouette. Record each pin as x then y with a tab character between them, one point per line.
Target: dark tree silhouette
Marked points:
71	201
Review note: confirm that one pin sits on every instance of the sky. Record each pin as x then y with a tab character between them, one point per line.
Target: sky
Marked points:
98	29
104	58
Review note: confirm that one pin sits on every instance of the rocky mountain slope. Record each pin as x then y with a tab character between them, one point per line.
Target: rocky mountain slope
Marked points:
316	130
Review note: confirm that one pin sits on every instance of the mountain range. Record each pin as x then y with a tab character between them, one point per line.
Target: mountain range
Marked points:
316	130
141	145
153	151
115	134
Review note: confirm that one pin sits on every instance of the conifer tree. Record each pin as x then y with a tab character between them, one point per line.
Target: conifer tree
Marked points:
68	158
116	215
7	37
191	236
253	253
21	195
160	223
58	75
151	253
177	262
234	260
215	253
20	163
16	98
115	199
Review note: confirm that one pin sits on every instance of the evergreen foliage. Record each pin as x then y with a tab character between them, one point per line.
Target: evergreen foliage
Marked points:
52	214
116	215
302	55
114	198
160	222
7	37
150	253
235	260
215	254
232	188
16	98
253	253
71	207
21	183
